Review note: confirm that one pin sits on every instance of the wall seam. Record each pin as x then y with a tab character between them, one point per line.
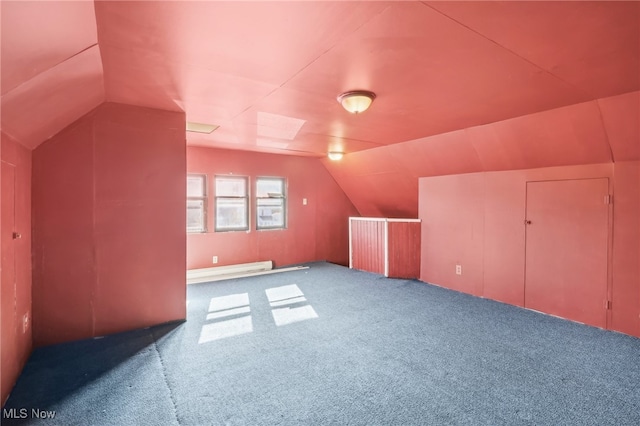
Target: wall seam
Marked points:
604	128
94	253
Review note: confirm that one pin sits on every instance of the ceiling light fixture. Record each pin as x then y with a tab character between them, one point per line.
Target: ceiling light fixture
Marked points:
335	155
356	101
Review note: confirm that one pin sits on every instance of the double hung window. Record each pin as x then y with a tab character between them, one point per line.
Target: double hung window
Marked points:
271	203
232	203
196	203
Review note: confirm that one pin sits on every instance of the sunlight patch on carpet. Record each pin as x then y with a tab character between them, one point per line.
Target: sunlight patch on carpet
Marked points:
282	299
228	313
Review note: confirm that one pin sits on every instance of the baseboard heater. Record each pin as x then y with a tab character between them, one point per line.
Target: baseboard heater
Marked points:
218	273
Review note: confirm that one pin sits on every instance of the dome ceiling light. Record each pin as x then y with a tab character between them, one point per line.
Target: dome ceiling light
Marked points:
335	155
356	101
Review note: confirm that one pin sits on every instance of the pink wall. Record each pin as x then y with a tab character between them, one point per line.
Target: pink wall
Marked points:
108	209
626	248
476	220
15	296
316	231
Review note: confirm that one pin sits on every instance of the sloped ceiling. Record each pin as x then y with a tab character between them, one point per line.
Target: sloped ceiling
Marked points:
268	73
51	67
384	181
461	86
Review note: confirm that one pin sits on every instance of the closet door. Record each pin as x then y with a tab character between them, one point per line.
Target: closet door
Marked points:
566	249
8	345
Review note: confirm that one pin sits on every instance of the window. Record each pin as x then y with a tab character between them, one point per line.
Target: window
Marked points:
196	203
232	204
271	203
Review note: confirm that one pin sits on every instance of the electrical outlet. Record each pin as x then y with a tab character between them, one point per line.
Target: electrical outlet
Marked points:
304	201
215	259
458	269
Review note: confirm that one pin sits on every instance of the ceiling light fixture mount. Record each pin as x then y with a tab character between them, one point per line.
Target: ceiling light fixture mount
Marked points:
335	155
356	101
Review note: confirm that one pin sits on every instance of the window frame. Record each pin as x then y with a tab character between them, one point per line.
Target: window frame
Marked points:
283	198
203	198
217	198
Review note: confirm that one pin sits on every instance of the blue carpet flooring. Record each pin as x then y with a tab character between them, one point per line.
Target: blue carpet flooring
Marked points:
333	346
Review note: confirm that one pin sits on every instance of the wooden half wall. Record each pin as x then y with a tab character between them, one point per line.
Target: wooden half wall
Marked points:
386	246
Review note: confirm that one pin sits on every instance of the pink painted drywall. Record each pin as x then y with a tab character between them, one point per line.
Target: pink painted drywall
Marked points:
451	209
109	241
64	276
621	117
15	296
333	207
503	214
316	231
477	220
626	248
382	181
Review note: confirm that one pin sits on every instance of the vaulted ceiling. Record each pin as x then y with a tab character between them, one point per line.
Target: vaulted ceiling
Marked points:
268	73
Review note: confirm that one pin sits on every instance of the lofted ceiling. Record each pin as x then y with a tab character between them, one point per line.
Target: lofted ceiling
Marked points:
268	73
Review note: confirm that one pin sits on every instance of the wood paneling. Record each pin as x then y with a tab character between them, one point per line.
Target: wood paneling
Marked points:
390	247
368	245
404	249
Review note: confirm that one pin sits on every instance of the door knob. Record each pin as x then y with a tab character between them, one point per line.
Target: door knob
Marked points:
527	222
16	235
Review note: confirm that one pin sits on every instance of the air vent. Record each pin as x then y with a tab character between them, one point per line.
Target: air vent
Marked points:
201	127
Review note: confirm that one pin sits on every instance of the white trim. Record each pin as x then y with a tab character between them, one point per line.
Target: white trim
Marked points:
384	219
350	245
386	248
218	273
230	269
243	275
374	219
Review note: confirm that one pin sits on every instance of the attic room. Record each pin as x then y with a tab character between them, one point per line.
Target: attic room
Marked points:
509	132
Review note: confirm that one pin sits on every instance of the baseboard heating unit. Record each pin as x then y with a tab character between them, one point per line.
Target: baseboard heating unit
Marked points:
218	273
